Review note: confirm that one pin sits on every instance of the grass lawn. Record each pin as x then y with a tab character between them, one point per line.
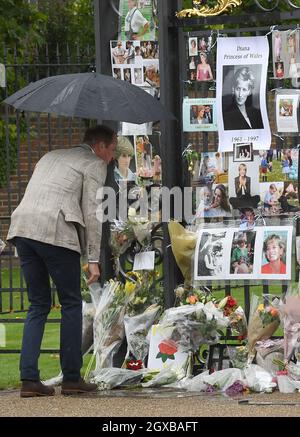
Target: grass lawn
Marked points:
49	363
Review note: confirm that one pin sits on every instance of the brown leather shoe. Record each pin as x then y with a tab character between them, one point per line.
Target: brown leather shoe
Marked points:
71	388
31	389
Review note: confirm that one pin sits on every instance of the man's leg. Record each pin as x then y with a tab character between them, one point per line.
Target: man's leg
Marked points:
39	295
64	268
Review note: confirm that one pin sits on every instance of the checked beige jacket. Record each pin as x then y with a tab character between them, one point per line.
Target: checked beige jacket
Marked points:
59	205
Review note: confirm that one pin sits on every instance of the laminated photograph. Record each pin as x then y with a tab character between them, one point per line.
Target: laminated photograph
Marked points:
286	55
137	19
242	64
193	46
243	181
213	168
275	252
242	254
147	156
136	62
287	104
278	176
211	261
212	201
125	167
242	152
199	115
261	253
279	165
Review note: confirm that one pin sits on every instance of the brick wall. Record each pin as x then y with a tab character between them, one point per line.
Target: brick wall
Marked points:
63	133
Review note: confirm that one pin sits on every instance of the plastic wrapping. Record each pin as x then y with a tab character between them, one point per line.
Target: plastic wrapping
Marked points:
183	244
108	325
290	316
258	379
2	246
170	375
238	356
264	320
136	330
287	384
108	378
195	324
266	352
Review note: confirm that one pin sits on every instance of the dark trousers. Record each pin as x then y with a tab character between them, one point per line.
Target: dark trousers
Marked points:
38	261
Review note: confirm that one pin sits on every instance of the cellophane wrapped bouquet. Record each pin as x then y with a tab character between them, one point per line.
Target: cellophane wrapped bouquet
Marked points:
109	324
195	324
236	315
263	321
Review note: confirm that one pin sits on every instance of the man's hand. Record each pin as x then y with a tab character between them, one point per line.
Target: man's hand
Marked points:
94	271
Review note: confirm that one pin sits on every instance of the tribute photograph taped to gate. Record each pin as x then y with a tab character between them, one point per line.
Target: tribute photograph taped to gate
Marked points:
241	92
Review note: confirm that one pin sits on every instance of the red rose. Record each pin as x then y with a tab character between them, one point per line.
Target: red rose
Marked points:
168	347
134	365
231	302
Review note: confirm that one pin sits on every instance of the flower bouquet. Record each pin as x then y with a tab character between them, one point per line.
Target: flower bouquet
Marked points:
264	320
136	329
2	246
191	295
111	377
109	324
290	316
195	324
238	356
183	244
236	315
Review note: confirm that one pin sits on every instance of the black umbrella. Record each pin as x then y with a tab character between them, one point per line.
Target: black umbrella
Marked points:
89	95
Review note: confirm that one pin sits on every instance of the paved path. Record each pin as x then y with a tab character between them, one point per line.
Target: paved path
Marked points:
158	405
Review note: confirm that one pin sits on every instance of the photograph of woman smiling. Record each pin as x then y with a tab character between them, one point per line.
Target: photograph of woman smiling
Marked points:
241	113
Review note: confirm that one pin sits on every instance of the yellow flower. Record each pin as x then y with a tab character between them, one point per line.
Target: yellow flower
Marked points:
261	308
129	287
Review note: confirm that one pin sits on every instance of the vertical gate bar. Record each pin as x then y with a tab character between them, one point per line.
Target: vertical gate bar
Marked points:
170	131
19	193
247	300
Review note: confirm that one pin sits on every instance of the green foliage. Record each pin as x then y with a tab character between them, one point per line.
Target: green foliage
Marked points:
9	153
20	23
70	21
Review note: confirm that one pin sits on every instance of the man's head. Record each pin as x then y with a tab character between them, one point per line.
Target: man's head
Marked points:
103	140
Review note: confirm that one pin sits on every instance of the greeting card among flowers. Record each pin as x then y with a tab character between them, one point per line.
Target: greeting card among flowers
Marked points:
164	351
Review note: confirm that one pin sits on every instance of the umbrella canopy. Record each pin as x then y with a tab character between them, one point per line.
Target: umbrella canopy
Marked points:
89	95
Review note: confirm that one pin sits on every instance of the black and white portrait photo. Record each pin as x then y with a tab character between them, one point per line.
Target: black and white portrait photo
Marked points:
240	102
242	64
242	152
210	254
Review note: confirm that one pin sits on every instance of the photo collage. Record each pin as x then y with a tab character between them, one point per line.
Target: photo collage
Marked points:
228	182
261	253
200	61
136	62
286	54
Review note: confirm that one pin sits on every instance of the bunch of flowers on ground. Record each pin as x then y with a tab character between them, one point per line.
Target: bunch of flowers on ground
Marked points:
191	295
264	320
236	315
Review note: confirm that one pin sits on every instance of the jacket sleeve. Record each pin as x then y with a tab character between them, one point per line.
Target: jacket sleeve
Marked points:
94	178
